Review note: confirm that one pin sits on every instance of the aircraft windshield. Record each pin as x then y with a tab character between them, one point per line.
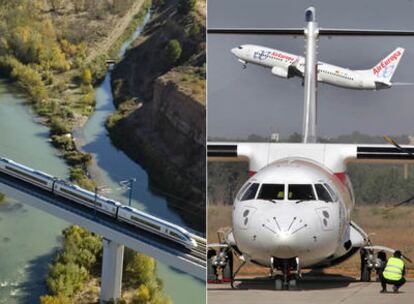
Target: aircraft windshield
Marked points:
272	192
301	192
250	192
323	194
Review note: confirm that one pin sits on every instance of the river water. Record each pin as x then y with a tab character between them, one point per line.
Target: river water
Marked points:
29	237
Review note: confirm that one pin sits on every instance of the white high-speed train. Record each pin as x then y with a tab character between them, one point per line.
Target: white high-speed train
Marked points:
100	203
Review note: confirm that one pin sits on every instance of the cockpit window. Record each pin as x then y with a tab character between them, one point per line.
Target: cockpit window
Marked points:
323	194
335	198
241	191
272	192
250	192
301	192
240	47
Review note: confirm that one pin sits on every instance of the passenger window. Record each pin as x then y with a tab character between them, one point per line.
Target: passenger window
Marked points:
323	194
301	192
272	192
250	192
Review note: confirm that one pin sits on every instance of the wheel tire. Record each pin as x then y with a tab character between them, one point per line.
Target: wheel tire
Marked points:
278	284
292	284
228	269
211	270
365	273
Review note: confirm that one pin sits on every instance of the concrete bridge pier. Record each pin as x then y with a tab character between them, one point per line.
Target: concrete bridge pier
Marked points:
111	278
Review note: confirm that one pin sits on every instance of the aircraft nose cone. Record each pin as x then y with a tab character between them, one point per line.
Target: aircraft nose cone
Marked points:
235	51
288	232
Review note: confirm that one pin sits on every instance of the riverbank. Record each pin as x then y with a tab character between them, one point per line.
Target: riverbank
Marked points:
160	99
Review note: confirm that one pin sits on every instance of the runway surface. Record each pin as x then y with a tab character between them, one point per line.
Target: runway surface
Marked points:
322	290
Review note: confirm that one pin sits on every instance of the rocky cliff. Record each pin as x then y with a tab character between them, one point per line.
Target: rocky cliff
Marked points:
161	114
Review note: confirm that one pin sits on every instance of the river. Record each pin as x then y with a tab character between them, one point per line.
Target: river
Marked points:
29	237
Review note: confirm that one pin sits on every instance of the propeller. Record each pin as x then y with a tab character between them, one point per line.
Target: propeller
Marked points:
392	142
395	144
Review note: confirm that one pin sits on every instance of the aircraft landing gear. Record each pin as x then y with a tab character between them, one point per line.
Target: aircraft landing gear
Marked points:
366	264
290	269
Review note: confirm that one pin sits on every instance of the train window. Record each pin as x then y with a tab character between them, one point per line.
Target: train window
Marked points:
272	192
172	233
323	194
26	175
250	192
301	192
146	223
331	191
79	196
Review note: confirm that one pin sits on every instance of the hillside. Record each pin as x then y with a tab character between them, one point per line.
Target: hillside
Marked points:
159	90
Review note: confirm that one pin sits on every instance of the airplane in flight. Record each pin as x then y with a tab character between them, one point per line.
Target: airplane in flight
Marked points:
286	65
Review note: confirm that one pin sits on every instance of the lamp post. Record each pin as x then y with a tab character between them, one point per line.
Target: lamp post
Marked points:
128	185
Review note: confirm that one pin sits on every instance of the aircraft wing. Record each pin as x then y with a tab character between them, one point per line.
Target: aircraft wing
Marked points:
333	156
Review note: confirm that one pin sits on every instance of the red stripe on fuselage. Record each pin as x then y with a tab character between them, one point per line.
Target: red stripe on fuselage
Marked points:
341	176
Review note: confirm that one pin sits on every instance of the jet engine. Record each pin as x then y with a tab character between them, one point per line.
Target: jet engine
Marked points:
280	72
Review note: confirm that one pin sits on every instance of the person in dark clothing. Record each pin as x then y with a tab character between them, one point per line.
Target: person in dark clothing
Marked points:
381	262
393	273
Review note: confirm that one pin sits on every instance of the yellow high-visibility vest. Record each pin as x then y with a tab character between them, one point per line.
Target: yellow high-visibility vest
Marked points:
394	269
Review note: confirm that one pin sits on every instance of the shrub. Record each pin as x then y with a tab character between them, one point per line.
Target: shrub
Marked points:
173	51
59	127
185	6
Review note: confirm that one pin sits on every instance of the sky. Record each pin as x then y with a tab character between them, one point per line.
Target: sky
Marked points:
253	101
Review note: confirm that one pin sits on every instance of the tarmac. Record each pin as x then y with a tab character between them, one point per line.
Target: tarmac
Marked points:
329	289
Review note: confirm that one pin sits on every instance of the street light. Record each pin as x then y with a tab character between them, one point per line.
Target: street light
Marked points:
127	185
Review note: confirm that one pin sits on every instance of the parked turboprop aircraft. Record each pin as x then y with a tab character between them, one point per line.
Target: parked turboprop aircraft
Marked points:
287	65
294	211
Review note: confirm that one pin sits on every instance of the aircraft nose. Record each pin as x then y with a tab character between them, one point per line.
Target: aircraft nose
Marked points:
235	51
289	234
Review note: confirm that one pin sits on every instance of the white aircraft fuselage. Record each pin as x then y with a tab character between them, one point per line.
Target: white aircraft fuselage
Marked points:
295	208
287	65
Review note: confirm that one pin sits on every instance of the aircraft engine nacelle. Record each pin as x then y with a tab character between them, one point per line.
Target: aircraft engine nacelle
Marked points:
280	72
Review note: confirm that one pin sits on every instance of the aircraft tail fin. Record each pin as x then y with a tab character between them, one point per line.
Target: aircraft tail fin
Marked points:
385	69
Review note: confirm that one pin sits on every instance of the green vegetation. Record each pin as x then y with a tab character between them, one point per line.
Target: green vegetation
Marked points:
2	196
82	255
185	6
173	51
139	270
73	265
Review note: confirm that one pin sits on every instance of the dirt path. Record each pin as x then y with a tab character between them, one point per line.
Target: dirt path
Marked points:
120	27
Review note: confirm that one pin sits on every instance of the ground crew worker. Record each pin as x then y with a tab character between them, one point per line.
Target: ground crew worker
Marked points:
393	273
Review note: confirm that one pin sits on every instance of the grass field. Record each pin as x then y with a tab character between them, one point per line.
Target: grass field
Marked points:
394	229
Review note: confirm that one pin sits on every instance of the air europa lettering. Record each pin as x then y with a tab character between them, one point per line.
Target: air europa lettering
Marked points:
386	62
283	56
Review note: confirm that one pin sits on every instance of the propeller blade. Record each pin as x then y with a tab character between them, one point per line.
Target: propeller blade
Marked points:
400	203
392	142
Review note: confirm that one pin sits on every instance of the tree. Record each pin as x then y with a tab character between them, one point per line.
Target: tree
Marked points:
173	51
54	300
86	76
185	6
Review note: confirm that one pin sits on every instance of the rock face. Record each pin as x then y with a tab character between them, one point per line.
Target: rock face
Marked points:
161	117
